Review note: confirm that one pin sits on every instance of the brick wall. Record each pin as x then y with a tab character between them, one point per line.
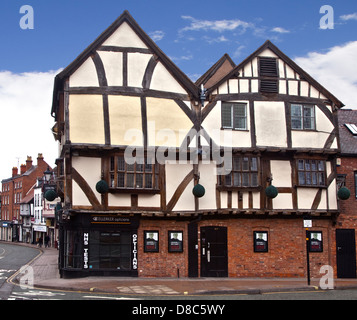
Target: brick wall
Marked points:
286	256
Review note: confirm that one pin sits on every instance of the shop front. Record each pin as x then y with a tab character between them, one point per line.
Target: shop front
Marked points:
97	244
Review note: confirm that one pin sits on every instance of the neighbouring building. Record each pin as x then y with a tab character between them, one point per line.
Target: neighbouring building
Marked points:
159	176
14	190
346	224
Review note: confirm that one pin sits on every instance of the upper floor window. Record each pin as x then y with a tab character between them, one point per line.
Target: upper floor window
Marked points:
302	117
244	173
311	172
234	116
142	174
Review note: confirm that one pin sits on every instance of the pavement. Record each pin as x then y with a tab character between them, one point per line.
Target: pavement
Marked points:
46	276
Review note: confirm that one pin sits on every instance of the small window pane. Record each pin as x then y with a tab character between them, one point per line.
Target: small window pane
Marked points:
245	164
139	180
301	178
130	180
237	179
226	116
245	179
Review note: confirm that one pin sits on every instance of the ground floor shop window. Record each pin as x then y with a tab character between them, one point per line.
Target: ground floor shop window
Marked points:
72	249
110	250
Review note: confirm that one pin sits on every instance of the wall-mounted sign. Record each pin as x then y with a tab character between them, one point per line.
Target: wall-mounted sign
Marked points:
135	252
151	241
175	241
315	241
260	241
85	249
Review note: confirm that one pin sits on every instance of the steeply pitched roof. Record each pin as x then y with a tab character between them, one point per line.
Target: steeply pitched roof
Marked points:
303	74
181	77
348	141
217	71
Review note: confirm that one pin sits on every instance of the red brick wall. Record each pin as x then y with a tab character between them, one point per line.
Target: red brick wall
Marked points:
286	256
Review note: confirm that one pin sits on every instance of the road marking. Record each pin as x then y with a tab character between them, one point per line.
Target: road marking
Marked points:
109	298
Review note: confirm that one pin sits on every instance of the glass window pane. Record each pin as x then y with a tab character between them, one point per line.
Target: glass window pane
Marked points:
245	179
321	166
130	180
245	164
254	179
139	180
226	116
301	178
228	180
121	164
254	164
296	123
237	179
236	163
307	165
296	110
121	180
148	180
301	164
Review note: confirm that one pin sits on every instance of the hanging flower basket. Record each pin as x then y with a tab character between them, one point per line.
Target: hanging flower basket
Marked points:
344	193
50	195
271	192
102	187
198	190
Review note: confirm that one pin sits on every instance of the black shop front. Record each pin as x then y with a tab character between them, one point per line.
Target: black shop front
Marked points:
98	245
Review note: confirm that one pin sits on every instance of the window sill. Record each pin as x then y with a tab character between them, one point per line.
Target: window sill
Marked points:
235	129
134	190
234	188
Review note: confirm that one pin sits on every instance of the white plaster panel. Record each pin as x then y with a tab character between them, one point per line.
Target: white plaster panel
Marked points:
85	75
270	123
90	169
113	66
162	80
281	172
125	36
137	63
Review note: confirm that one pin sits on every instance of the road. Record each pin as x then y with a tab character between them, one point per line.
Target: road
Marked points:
13	257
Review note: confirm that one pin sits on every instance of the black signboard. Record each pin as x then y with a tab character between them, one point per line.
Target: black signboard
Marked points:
315	241
151	241
175	241
260	241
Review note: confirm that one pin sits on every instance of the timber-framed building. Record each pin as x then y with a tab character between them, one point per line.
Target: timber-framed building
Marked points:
225	170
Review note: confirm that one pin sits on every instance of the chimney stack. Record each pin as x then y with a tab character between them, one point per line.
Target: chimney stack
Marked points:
14	171
23	169
40	159
28	163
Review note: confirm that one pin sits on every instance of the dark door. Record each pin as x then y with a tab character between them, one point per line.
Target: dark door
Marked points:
346	253
193	250
214	258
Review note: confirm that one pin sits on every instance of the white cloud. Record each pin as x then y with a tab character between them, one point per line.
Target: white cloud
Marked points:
25	121
219	39
215	25
352	16
336	70
157	35
280	30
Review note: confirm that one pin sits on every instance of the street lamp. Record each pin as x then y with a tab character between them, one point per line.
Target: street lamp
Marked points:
47	174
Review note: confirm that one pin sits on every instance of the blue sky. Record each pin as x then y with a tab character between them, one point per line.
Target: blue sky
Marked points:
190	36
194	34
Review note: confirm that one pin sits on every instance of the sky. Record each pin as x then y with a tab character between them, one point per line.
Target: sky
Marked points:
39	40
